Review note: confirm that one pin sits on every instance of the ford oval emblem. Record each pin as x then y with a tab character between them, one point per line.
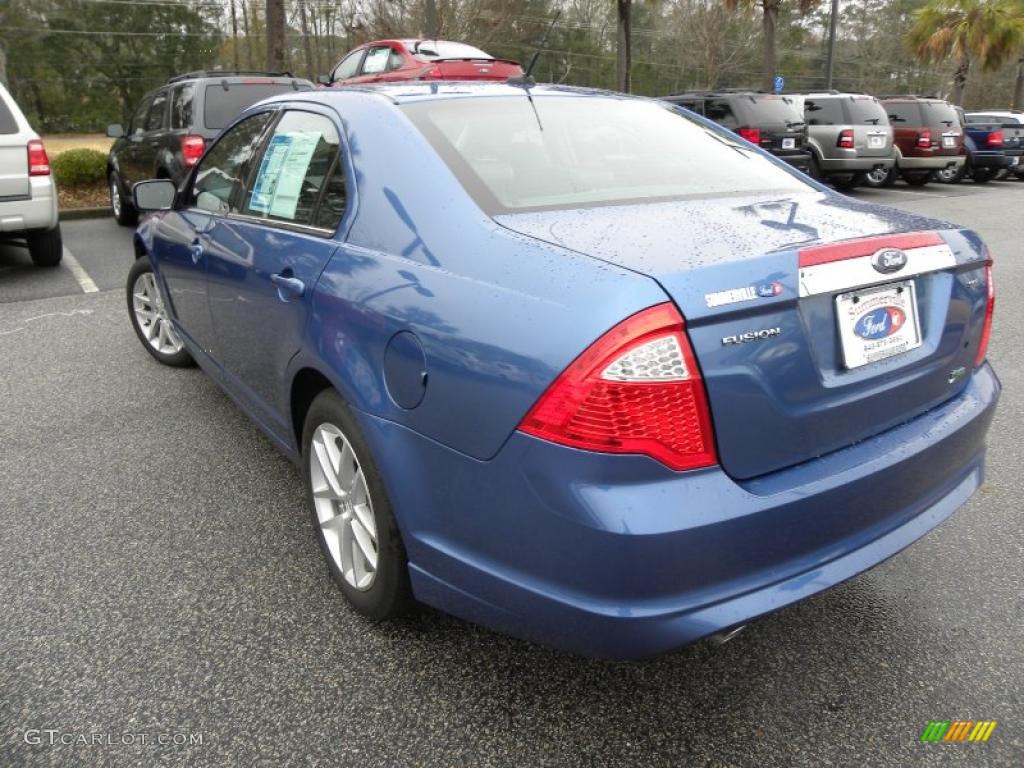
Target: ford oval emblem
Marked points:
889	260
879	323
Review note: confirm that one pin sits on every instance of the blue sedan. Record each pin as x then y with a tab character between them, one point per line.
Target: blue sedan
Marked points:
581	367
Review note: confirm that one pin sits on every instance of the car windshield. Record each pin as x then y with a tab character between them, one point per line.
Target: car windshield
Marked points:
590	151
440	49
773	109
938	113
221	106
867	112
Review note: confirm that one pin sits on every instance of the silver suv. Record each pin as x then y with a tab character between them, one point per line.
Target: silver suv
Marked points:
849	136
28	195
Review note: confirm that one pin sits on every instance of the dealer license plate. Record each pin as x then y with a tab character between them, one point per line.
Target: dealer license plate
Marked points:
948	141
876	323
788	143
876	142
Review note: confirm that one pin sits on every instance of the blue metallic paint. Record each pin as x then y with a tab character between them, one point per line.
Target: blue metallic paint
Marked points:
611	555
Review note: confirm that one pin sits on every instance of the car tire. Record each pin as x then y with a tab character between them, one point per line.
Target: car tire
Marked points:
882	177
814	168
149	317
917	179
351	513
46	247
951	175
124	212
846	182
982	175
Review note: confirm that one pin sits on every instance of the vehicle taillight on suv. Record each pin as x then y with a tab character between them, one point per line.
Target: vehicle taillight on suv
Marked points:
637	389
924	139
38	162
191	149
845	140
753	135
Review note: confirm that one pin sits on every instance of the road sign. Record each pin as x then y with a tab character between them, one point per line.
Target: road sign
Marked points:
780	83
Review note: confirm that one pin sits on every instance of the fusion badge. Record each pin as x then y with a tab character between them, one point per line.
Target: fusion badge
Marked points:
743	338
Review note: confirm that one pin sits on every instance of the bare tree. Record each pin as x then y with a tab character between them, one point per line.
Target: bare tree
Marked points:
275	35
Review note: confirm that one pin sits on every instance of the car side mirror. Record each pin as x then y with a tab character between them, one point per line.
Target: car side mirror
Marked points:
323	79
115	131
154	195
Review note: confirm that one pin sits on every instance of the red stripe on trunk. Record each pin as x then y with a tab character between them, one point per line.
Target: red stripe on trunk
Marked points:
852	249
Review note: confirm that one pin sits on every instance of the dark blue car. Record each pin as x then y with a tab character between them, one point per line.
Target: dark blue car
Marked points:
582	367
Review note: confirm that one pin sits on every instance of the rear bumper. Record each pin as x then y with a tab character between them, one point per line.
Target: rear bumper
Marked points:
801	160
1000	159
856	164
619	557
37	211
935	163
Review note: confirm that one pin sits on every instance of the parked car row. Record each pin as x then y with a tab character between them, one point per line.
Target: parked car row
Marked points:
852	139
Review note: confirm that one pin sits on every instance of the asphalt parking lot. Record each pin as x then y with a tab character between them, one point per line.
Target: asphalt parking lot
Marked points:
158	575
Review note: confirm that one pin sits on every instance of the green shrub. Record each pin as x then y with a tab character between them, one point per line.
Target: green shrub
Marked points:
75	167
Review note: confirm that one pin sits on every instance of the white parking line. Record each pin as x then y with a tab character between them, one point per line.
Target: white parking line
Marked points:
84	281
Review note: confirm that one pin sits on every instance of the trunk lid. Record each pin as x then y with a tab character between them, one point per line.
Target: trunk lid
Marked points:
759	300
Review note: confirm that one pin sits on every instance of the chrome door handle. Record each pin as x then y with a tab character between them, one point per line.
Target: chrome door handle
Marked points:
196	249
288	285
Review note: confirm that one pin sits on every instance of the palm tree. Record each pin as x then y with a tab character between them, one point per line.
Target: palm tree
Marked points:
984	31
769	21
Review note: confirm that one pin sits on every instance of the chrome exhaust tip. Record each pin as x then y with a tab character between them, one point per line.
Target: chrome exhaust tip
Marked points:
721	638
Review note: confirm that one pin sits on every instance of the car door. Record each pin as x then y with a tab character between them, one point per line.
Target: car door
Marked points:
128	158
148	148
264	262
183	242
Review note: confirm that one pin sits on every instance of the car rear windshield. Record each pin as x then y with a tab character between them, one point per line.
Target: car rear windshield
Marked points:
577	152
7	122
905	113
772	109
439	49
939	114
221	106
866	112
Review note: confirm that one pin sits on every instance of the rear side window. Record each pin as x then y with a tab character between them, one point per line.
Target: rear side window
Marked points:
181	107
866	112
904	113
7	122
721	111
295	169
823	112
222	171
157	112
221	106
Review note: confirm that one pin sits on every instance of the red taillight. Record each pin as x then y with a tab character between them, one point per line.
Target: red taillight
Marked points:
753	135
191	149
995	139
38	162
986	329
924	139
434	73
845	138
637	389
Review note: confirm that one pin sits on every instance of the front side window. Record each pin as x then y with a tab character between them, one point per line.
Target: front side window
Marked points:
221	173
294	170
510	158
349	66
157	111
138	123
377	60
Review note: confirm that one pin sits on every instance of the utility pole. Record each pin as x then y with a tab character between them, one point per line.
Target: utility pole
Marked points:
830	66
275	35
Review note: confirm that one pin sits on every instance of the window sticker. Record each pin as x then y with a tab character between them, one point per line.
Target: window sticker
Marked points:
282	171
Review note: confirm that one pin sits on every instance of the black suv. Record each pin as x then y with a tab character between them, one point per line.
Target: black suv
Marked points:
171	126
774	123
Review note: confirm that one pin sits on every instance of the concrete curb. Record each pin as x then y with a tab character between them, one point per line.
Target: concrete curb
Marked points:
71	214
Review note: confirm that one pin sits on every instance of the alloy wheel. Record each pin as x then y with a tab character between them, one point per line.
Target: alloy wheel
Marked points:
877	175
151	316
115	197
343	506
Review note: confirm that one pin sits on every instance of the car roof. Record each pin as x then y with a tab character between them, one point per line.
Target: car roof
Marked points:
234	76
415	91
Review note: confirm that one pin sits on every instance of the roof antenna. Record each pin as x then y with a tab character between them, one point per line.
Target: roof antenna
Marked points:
526	80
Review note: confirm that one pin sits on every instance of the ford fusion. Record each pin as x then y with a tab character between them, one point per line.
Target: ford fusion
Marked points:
584	368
